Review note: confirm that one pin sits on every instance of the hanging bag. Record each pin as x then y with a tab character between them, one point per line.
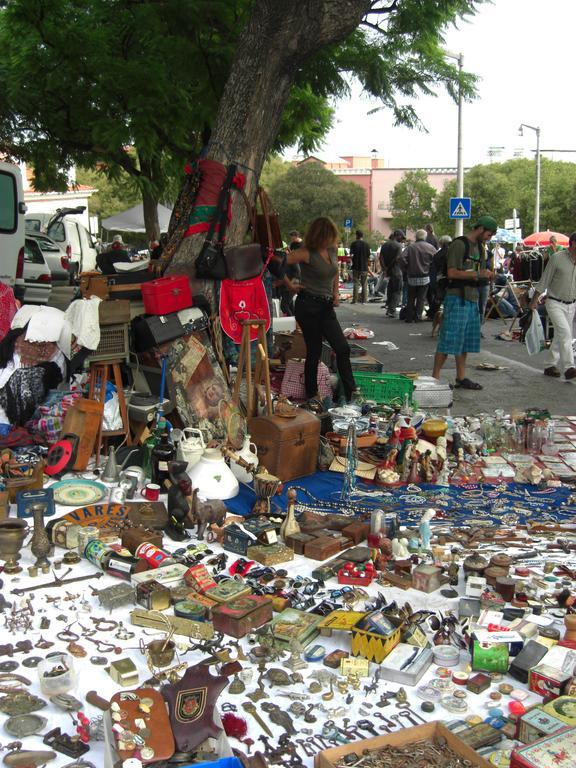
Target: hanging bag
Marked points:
242	300
211	264
534	337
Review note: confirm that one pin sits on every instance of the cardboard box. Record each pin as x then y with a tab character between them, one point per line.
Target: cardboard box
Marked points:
329	757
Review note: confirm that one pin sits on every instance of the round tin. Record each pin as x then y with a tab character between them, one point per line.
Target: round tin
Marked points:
460	678
86	534
446	655
506	587
187	609
494	572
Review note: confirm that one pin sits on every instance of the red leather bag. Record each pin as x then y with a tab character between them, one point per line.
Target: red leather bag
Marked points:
242	300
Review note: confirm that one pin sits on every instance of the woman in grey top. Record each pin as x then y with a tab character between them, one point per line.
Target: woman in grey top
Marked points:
315	304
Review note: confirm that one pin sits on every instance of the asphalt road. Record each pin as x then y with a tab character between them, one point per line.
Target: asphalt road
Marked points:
521	385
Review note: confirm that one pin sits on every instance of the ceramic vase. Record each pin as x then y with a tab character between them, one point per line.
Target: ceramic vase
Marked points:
249	454
213	477
40	544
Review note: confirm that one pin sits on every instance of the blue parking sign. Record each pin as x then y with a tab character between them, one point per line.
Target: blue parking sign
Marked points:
460	207
348	223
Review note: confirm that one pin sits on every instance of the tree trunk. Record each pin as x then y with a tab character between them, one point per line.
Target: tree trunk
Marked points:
150	200
279	37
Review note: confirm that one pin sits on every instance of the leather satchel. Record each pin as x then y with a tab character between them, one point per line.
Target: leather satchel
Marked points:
153	330
244	262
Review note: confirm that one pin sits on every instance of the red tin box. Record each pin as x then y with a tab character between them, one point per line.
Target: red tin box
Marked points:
554	751
166	295
547	681
242	615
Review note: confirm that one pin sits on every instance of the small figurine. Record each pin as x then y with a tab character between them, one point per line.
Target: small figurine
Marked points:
179	499
414	474
426	468
441	452
400	549
424	528
444	475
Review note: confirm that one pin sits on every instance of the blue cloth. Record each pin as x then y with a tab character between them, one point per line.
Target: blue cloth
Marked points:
456	505
460	331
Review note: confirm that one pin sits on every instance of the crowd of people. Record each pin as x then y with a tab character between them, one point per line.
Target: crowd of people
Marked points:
449	281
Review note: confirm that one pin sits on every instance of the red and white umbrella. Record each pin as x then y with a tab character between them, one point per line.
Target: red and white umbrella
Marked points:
543	238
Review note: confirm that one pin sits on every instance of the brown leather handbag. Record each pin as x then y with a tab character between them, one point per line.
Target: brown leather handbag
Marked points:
267	226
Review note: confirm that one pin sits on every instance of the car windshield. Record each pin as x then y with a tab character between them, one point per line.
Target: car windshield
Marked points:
56	232
47	246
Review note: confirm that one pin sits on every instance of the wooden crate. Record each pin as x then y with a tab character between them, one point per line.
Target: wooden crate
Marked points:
329	757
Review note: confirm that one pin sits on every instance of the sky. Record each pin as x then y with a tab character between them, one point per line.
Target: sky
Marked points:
521	51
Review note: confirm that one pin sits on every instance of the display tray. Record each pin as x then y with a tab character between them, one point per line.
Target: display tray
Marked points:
328	758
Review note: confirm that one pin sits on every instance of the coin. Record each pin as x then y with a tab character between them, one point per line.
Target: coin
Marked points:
147	753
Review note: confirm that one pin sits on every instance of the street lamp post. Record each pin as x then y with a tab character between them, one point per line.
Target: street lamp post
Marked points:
537	203
459	57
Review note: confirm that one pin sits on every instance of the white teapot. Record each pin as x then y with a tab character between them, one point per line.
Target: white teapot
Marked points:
192	445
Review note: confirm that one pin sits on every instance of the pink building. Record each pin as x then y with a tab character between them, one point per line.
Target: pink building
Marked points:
378	183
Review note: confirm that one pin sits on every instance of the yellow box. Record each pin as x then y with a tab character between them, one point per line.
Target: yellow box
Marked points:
373	646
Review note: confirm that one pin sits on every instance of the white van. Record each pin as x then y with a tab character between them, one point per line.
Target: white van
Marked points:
12	210
71	236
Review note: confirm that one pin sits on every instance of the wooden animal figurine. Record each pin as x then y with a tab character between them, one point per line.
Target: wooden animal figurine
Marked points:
203	513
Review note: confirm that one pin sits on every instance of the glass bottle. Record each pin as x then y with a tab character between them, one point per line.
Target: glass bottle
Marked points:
162	454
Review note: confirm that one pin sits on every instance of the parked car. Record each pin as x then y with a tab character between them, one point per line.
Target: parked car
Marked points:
69	234
12	210
55	258
37	276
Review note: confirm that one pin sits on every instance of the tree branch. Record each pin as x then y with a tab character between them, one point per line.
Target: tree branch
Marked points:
369	24
387	9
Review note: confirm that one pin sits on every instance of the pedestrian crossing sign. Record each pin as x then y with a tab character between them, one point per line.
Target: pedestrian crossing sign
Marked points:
460	207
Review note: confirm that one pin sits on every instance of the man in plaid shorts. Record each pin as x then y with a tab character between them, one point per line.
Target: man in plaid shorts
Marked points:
466	270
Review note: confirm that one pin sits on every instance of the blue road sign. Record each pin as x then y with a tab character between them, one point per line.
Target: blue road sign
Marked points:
348	223
460	207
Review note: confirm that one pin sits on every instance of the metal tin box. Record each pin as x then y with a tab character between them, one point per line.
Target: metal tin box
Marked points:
240	616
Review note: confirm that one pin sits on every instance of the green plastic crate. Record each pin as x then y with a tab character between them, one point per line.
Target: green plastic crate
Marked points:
387	388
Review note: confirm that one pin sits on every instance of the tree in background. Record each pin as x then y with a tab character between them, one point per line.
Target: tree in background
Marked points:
113	195
80	84
412	201
498	188
274	169
309	190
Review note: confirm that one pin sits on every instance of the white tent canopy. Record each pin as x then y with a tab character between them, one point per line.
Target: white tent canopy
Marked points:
132	220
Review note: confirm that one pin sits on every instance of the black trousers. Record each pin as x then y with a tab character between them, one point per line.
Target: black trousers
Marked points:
416	299
318	321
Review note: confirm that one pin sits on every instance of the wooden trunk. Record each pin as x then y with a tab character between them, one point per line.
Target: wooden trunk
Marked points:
288	448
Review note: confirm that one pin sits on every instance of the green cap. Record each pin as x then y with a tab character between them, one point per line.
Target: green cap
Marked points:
487	222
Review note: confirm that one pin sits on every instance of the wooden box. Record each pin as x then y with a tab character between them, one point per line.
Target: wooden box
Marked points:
297	541
112	312
371	645
240	616
356	531
427	578
321	548
131	538
32	482
553	751
431	731
273	554
288	448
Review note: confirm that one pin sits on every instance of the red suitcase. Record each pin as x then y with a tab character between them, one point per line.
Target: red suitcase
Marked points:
166	295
